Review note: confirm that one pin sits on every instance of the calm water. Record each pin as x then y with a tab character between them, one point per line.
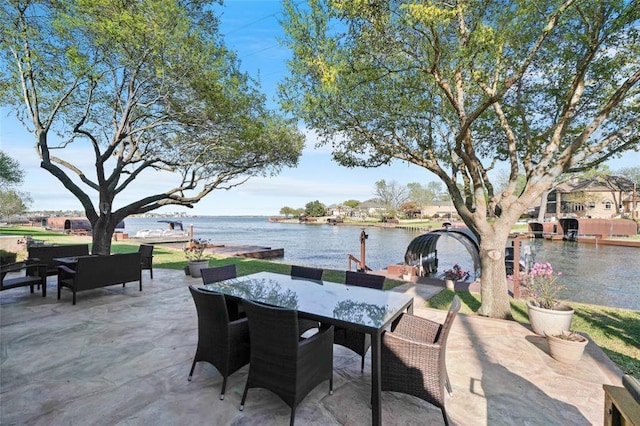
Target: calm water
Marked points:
603	275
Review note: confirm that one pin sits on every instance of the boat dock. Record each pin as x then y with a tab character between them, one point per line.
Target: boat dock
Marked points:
241	250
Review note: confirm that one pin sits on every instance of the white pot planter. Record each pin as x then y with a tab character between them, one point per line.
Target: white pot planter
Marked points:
195	267
566	351
549	321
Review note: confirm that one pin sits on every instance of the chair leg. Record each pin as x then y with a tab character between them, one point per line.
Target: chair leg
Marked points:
224	386
193	366
448	386
151	272
444	416
244	396
331	385
293	416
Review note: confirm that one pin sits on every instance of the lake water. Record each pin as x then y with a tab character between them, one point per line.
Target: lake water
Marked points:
602	275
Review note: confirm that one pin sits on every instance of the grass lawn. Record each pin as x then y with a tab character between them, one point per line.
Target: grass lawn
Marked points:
616	331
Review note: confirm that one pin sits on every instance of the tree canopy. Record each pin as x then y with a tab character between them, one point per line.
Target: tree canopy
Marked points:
315	209
10	171
459	87
12	202
146	87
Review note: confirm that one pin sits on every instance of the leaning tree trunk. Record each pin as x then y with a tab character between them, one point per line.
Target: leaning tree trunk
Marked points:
543	206
103	230
494	290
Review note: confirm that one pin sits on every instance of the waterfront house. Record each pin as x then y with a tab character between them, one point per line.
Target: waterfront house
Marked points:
604	197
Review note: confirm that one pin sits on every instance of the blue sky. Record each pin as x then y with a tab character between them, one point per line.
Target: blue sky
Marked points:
250	28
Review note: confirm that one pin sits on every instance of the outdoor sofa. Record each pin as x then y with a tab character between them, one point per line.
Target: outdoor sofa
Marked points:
46	254
91	272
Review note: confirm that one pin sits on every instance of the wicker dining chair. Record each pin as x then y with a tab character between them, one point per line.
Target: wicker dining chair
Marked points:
357	341
310	274
413	358
306	272
221	273
221	342
288	366
146	258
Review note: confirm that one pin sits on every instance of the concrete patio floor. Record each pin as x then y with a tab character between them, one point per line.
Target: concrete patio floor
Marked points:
121	356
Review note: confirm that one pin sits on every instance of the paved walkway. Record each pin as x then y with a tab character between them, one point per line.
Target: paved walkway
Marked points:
121	356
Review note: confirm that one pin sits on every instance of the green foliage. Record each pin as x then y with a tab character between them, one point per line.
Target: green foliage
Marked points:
13	203
7	257
10	171
315	209
543	88
288	211
631	173
352	203
148	88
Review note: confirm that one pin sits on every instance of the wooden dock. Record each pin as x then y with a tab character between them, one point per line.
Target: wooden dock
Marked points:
242	250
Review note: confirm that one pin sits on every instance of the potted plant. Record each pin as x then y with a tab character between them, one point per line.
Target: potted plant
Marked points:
546	312
194	251
452	275
566	346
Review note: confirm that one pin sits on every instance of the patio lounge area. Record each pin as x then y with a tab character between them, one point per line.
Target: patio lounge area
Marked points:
121	356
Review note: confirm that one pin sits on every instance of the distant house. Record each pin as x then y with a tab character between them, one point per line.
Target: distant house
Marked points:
603	197
441	209
373	208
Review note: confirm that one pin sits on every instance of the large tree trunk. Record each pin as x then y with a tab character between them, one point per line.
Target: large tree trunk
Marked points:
543	206
103	230
494	291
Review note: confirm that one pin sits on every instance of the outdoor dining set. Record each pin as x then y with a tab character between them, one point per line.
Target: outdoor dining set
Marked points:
285	326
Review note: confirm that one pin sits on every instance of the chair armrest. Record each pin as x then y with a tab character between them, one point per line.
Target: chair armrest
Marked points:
391	336
239	330
417	328
65	272
13	267
325	333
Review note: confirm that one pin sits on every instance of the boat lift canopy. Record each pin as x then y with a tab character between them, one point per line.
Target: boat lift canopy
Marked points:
424	248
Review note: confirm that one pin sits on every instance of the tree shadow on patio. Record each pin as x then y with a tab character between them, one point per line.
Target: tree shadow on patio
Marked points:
512	399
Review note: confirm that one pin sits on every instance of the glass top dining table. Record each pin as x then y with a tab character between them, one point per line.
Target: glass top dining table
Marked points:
356	308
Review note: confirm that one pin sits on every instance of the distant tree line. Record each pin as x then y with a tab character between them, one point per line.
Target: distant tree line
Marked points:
395	198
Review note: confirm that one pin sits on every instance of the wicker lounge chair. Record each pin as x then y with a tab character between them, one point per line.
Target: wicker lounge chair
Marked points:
355	340
310	274
35	274
222	343
413	358
282	362
146	259
221	273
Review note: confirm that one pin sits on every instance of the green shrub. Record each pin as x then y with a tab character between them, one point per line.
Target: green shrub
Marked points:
7	256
